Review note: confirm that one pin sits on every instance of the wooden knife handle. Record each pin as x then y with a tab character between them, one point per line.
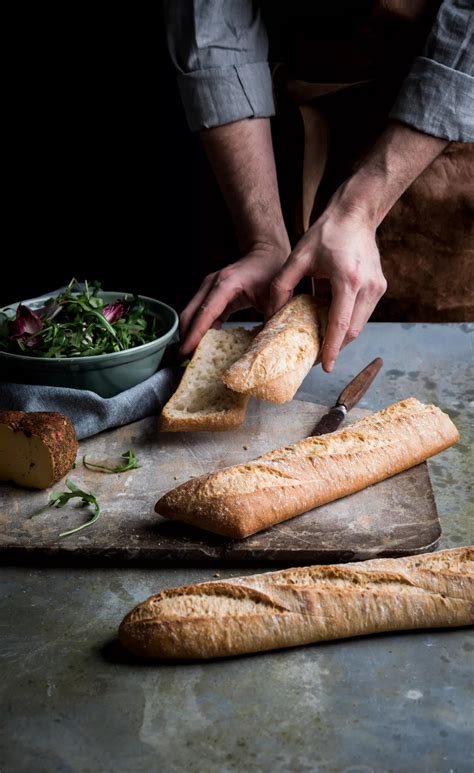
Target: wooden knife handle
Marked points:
359	385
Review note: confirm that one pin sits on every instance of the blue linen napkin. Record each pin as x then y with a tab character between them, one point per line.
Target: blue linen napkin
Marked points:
89	412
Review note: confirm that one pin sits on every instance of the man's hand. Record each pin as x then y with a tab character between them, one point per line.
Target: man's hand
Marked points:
341	248
243	284
241	155
341	245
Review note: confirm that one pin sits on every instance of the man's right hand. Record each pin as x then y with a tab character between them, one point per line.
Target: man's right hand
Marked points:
241	155
240	285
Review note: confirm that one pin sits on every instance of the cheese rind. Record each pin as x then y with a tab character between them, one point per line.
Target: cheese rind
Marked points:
36	449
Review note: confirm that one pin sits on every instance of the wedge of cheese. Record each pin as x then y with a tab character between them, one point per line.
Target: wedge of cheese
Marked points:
36	449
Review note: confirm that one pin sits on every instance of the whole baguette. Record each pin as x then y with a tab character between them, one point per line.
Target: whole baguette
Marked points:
241	500
302	606
282	354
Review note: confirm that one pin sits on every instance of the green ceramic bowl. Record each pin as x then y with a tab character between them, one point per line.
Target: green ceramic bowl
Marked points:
105	374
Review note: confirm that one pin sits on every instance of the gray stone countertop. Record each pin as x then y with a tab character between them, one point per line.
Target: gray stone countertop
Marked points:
70	700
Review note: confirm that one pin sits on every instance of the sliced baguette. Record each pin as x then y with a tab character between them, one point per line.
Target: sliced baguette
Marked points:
302	606
202	401
241	500
282	354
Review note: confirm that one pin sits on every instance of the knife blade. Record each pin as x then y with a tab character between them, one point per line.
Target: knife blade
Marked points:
350	396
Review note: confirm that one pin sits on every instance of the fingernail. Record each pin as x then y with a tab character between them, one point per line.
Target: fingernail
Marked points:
330	365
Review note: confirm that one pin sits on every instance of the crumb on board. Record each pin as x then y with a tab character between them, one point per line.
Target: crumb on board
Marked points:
246	448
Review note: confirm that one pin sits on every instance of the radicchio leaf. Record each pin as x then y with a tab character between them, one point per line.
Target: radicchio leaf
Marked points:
26	324
114	311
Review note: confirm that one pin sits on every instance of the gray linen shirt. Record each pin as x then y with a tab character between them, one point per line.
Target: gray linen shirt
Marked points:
220	50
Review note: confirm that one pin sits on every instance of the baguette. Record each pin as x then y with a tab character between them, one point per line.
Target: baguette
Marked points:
282	354
241	500
201	401
303	606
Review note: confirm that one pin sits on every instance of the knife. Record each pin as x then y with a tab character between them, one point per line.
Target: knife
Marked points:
349	397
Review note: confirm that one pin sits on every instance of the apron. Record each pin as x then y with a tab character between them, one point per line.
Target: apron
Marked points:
334	91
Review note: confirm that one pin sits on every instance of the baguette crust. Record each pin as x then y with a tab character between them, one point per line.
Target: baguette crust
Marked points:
241	500
302	606
282	354
220	409
220	421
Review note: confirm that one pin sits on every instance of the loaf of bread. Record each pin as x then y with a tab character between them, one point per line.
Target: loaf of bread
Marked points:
202	401
282	354
302	606
36	449
241	500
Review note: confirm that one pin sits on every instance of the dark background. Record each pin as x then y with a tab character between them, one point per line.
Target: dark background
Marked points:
106	181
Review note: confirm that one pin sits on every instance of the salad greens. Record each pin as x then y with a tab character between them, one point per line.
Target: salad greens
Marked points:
61	498
79	323
130	463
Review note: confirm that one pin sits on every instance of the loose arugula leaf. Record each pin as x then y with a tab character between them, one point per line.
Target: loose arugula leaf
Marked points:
61	498
78	323
130	463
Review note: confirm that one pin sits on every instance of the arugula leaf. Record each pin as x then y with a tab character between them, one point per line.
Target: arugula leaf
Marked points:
130	463
61	498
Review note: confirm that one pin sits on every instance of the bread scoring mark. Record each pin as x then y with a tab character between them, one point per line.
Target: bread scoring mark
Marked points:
206	600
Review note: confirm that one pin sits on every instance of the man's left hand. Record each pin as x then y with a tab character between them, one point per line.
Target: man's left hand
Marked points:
341	248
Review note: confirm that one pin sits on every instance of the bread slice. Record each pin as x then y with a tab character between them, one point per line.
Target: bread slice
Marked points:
302	606
282	354
202	401
241	500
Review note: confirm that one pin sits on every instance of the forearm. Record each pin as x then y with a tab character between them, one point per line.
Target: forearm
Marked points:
241	155
398	157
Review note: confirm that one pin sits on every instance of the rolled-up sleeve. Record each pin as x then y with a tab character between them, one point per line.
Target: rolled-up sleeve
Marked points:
437	97
219	49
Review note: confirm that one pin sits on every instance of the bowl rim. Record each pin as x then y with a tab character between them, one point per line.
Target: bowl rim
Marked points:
90	358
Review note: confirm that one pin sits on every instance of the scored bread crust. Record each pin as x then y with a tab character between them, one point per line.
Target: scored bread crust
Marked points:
282	354
217	408
302	606
241	500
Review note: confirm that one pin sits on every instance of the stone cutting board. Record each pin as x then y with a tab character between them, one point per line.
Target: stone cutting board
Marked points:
395	517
